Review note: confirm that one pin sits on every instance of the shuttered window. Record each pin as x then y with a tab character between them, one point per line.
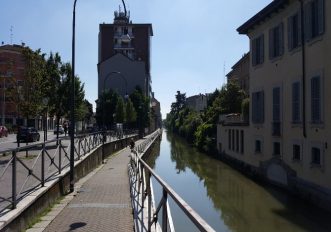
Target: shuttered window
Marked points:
294	31
258	50
258	107
276	41
276	104
316	99
296	102
314	19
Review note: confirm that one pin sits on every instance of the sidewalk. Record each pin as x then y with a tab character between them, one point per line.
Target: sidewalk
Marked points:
101	203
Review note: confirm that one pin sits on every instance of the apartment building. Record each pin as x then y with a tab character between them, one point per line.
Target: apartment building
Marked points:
240	73
197	102
124	47
11	71
288	137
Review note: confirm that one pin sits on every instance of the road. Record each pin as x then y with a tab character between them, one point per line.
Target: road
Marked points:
10	141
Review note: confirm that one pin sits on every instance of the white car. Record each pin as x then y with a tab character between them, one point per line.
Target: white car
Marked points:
61	130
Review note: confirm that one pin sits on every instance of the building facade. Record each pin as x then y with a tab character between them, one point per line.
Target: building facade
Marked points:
288	137
240	73
12	73
124	39
197	102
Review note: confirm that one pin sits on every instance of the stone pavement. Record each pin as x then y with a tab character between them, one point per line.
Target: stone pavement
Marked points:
101	203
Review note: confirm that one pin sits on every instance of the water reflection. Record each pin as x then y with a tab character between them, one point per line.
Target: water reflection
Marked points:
226	199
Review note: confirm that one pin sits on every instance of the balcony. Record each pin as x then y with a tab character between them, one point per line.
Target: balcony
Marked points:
118	35
233	119
123	46
276	130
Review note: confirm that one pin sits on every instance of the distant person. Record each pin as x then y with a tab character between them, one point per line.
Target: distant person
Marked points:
65	128
132	144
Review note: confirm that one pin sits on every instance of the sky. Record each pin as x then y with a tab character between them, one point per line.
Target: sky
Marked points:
194	46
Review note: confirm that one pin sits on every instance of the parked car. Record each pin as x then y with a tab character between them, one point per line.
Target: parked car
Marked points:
61	130
28	134
3	131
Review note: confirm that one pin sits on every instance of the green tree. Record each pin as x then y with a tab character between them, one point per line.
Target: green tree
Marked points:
106	105
130	112
141	105
120	111
29	96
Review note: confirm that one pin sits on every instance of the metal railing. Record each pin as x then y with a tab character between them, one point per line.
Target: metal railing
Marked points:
141	189
25	169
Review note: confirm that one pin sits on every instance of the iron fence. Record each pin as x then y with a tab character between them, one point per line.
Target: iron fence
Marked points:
25	169
142	190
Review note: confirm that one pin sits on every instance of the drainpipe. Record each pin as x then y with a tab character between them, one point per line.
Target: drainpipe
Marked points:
304	131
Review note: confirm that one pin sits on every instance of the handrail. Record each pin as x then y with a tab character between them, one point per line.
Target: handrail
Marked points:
140	167
29	167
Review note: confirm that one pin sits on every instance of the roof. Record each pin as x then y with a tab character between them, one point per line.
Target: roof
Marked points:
244	57
273	7
8	47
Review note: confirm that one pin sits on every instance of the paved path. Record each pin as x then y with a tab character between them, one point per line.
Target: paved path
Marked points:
102	203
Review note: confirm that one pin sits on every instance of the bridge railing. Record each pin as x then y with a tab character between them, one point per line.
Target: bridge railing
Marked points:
142	174
25	169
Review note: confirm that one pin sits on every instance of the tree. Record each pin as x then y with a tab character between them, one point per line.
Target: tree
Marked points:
130	112
106	105
120	111
141	105
28	96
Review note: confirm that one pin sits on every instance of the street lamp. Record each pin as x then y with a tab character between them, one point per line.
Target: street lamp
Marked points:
103	107
45	102
72	103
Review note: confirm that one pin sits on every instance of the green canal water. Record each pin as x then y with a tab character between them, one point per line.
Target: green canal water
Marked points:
225	198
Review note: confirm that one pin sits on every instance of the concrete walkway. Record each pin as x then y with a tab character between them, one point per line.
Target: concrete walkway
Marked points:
101	201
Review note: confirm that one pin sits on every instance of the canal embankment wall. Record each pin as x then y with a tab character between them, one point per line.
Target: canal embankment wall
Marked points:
29	208
305	190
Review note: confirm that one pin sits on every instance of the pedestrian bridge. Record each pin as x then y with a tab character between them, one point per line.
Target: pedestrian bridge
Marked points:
114	196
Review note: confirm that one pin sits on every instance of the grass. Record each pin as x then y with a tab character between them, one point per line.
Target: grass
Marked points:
37	219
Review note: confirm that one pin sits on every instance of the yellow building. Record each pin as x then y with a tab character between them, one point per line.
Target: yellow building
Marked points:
288	137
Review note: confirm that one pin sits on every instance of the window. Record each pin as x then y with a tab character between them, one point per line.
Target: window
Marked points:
296	152
276	41
258	146
316	99
276	104
294	31
314	19
258	107
316	155
296	102
258	50
276	111
276	148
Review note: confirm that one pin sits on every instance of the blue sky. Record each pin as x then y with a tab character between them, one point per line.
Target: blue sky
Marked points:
192	41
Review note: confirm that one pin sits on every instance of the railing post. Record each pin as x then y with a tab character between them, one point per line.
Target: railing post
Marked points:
142	186
164	212
14	180
79	144
149	195
43	165
60	156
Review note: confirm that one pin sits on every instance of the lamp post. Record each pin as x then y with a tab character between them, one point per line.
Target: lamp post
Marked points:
72	103
103	107
45	101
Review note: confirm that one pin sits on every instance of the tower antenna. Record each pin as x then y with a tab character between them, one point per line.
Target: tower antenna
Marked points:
11	34
124	7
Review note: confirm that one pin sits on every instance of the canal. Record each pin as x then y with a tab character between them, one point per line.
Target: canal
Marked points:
224	197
